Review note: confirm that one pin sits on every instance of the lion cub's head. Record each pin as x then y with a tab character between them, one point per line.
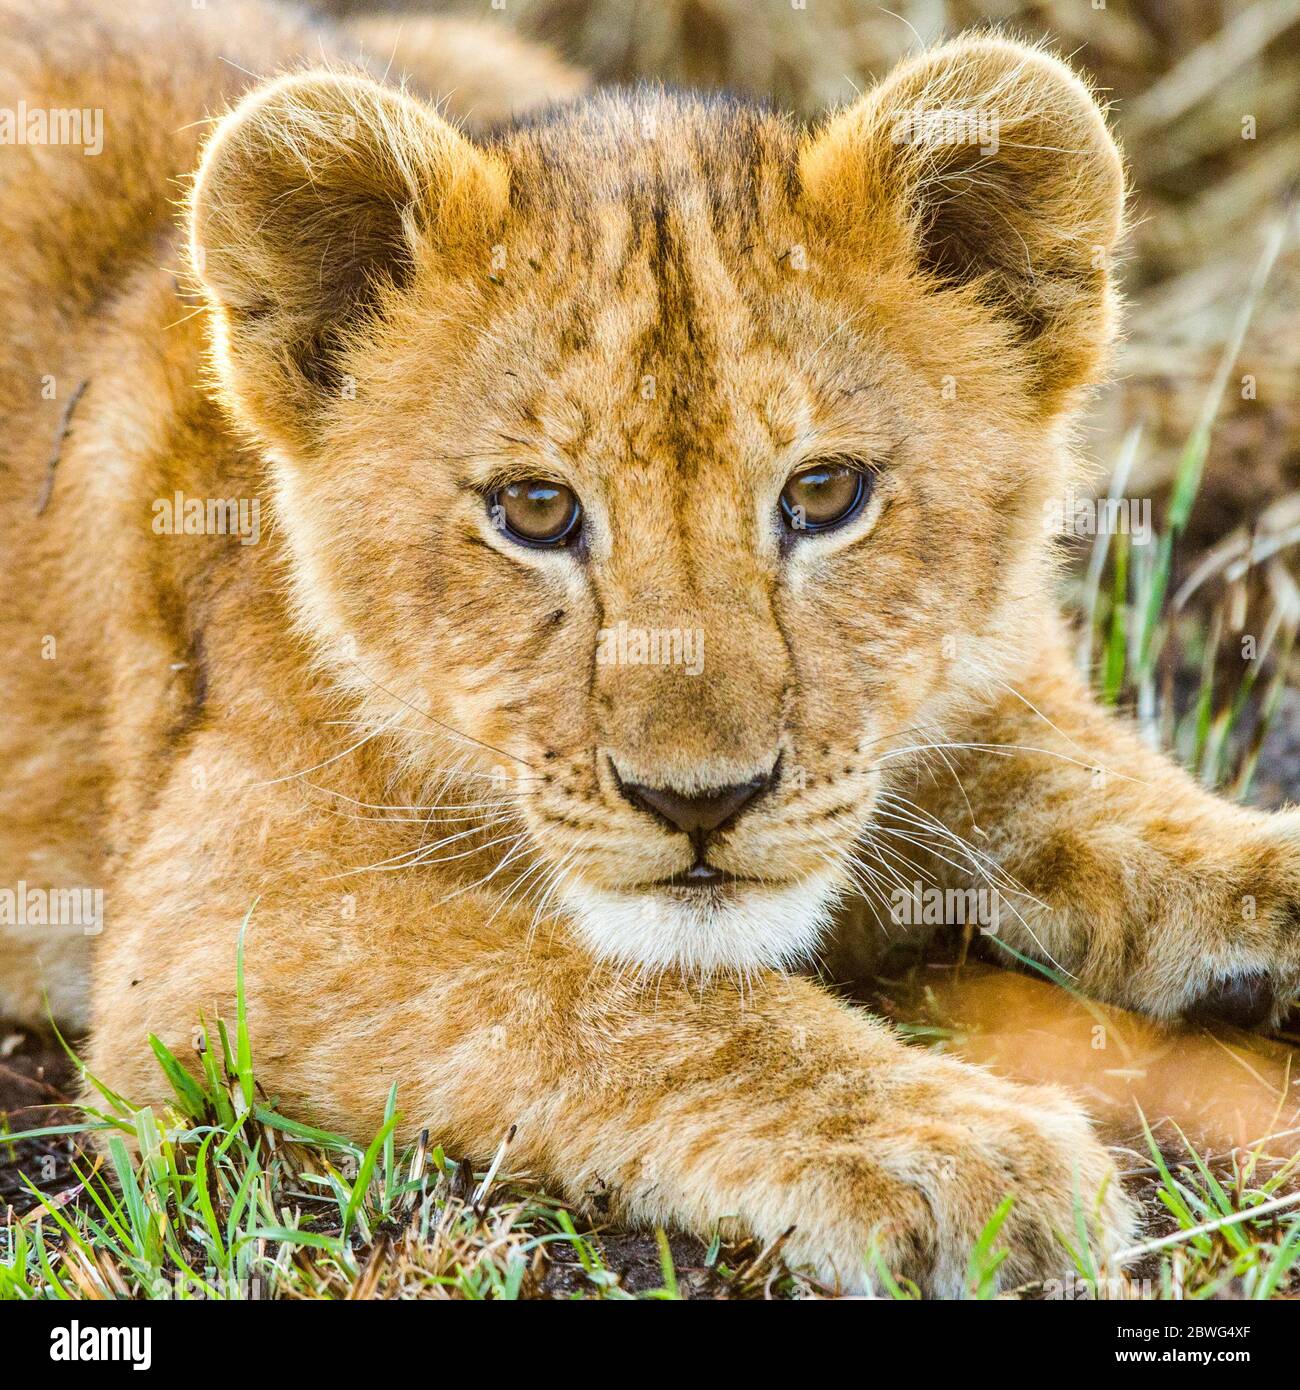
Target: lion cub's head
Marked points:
692	465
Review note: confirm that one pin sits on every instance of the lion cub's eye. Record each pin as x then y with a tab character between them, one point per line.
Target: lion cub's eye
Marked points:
824	495
536	512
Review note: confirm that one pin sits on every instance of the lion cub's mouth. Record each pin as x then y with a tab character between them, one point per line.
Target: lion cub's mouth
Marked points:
699	878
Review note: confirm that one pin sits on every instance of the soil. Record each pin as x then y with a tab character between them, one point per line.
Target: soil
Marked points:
1278	780
36	1080
635	1259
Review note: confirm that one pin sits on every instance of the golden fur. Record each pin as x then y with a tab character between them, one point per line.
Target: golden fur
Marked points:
386	725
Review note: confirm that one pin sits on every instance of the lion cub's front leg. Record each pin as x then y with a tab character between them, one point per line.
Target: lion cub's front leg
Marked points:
1150	891
795	1114
779	1107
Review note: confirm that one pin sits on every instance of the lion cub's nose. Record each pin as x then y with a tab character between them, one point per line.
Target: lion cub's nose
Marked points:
701	814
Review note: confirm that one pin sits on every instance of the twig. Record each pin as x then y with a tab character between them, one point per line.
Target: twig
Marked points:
1206	1228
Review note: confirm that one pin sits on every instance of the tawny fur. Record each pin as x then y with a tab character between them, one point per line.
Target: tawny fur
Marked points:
387	727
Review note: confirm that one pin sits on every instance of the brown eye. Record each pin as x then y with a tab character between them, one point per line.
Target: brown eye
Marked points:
824	495
536	512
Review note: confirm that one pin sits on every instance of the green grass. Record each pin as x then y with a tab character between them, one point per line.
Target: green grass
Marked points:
1236	1231
222	1197
1234	619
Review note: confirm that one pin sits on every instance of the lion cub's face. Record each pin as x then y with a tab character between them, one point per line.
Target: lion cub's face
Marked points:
677	471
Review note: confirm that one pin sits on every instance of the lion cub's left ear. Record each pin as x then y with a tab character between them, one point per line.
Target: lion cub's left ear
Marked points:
986	165
317	199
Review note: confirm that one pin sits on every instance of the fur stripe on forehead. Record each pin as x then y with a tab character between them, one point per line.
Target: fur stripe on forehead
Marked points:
319	194
649	145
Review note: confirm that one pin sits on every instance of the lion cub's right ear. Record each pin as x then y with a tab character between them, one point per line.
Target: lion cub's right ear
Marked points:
317	198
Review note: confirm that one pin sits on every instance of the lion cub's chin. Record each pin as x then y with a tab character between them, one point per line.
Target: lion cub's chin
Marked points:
739	930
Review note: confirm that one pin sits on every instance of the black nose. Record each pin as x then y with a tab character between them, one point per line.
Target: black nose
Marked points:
701	814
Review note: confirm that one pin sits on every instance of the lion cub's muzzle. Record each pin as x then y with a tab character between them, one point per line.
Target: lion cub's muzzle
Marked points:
699	815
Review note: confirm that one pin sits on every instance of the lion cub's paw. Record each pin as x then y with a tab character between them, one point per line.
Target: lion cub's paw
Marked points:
918	1198
1248	972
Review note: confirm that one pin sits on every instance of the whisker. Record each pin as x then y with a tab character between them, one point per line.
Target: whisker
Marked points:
423	854
447	728
291	776
388	806
1005	750
1007	894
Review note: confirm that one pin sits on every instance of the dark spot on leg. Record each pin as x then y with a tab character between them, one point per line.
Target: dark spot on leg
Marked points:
1245	1000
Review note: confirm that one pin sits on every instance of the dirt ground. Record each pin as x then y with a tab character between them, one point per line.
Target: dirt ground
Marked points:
35	1075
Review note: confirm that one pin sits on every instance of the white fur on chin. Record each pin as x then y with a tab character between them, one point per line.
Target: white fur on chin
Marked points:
761	928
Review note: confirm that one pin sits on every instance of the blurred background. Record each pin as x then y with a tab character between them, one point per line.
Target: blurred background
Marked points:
1194	632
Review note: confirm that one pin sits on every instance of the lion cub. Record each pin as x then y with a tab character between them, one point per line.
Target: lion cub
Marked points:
649	563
